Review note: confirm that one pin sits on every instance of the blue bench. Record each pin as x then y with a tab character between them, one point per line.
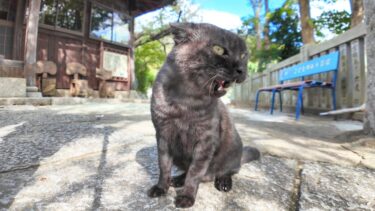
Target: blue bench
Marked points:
323	64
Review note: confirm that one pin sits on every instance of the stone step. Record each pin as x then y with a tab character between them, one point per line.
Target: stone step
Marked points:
43	101
25	101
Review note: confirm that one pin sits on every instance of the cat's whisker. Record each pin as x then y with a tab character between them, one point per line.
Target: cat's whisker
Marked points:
213	77
212	82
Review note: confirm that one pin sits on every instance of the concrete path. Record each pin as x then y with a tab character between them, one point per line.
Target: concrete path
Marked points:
103	157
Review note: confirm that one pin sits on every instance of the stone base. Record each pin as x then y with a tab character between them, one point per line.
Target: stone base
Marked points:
66	93
121	94
32	91
39	101
62	93
134	95
68	100
12	87
49	86
79	88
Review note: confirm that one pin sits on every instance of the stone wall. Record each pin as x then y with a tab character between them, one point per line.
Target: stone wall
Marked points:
12	87
12	81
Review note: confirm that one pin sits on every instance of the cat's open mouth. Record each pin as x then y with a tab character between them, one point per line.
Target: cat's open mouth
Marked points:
220	87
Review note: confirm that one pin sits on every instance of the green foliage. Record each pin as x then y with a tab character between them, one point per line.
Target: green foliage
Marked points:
335	21
253	64
247	27
148	60
259	59
150	55
284	35
285	32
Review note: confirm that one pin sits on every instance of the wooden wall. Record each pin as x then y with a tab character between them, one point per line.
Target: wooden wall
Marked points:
65	49
63	46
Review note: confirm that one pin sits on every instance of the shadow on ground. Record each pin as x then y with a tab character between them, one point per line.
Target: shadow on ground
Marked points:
265	184
33	138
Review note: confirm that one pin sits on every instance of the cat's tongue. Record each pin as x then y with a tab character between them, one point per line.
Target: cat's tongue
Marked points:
222	88
223	85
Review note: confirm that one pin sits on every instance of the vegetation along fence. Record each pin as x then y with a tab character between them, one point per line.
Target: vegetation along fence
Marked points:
351	80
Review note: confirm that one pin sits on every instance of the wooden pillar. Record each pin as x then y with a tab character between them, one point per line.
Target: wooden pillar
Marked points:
31	39
18	30
132	77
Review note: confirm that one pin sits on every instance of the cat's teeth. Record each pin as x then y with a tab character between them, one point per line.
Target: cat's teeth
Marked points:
221	88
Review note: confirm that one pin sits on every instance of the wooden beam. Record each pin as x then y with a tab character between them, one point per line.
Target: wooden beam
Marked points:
144	6
344	110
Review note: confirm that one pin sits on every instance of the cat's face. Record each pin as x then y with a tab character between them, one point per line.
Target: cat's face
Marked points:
212	57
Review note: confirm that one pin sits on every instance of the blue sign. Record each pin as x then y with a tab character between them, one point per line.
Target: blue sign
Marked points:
322	64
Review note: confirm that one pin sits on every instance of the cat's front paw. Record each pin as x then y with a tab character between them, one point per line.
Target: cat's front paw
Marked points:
184	201
156	191
223	183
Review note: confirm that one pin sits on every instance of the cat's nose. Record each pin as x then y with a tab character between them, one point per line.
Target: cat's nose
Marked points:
239	70
240	75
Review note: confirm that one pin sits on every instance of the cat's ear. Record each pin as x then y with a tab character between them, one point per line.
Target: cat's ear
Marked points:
183	32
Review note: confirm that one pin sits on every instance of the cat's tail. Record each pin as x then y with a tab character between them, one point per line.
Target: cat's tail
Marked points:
249	154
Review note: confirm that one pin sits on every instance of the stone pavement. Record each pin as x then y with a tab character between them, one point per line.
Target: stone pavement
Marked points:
102	157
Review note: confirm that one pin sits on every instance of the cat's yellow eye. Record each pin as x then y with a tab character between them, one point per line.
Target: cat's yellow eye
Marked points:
243	55
218	50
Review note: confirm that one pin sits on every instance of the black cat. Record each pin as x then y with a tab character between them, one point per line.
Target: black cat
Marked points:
193	127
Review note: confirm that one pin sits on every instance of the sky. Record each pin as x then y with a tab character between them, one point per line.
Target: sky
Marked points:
228	13
240	8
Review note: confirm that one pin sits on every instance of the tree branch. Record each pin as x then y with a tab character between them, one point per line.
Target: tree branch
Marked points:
144	37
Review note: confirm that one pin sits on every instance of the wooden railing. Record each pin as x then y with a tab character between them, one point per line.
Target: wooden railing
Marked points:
351	78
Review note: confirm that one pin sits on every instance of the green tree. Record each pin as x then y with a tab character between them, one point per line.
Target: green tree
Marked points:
257	6
154	41
307	25
335	21
338	22
357	12
149	58
283	33
158	28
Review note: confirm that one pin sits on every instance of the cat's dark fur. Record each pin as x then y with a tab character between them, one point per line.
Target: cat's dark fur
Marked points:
193	127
